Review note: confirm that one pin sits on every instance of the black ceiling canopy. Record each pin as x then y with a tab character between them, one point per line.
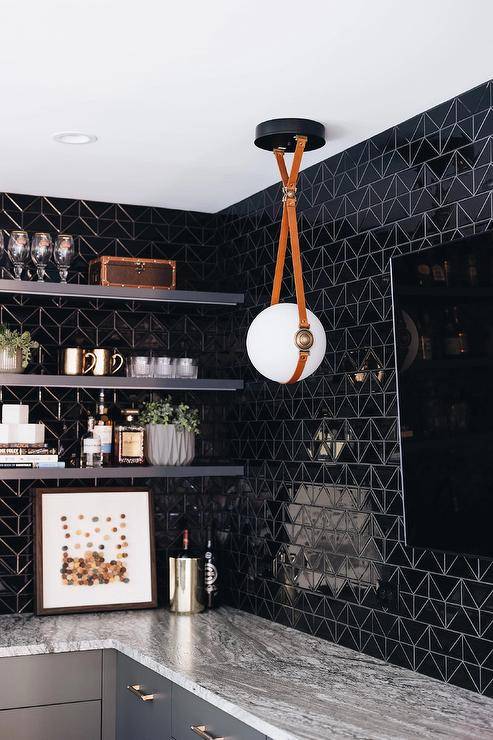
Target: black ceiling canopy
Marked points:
280	133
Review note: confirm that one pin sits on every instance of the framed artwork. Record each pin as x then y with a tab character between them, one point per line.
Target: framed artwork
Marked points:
94	550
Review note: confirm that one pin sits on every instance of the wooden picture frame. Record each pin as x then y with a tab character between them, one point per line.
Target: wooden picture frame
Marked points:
87	536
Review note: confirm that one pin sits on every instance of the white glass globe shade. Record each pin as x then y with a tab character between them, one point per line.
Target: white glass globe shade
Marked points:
271	347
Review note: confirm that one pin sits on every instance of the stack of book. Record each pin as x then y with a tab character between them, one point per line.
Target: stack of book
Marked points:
22	445
25	455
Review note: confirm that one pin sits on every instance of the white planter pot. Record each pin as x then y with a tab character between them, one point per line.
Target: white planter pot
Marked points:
11	361
186	446
168	445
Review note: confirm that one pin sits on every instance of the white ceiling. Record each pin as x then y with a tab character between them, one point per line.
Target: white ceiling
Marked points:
173	90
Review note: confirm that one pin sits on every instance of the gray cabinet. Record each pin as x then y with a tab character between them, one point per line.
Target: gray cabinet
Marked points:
56	678
77	721
190	712
137	714
103	695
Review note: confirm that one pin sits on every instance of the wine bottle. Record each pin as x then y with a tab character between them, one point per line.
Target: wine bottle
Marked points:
211	585
455	340
104	429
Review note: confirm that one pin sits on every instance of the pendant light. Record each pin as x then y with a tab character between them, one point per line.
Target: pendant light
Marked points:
286	342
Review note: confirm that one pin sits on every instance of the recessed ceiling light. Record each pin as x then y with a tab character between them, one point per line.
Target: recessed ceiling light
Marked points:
74	137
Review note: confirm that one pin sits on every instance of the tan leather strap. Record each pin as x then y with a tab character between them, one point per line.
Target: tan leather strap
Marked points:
303	357
279	155
296	163
289	227
297	269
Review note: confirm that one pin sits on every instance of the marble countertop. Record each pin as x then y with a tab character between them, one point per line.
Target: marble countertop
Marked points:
286	684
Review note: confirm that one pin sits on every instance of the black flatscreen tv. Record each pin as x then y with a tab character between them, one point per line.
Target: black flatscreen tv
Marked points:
443	327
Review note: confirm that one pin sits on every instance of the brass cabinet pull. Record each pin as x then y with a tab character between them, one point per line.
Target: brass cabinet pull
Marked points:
201	731
137	690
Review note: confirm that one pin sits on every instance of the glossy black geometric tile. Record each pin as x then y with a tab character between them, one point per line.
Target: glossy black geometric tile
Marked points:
314	537
105	228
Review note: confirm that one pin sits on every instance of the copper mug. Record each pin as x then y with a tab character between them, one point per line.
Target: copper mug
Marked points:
107	361
75	361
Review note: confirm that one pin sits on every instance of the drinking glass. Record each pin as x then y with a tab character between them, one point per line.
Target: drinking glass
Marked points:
18	251
186	367
41	250
163	367
139	367
63	254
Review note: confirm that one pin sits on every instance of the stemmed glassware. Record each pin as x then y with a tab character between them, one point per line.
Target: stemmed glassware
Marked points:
41	249
18	250
63	254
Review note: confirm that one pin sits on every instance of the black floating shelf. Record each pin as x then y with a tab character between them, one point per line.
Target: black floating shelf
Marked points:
74	290
111	382
136	471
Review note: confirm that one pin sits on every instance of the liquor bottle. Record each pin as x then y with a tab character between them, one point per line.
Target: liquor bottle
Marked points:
423	272
455	340
438	273
90	452
104	429
129	439
211	585
425	338
449	272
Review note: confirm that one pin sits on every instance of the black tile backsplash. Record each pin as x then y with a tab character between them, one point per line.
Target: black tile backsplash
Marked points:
104	228
316	535
313	536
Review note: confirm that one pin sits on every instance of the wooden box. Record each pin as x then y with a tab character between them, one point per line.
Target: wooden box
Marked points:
132	272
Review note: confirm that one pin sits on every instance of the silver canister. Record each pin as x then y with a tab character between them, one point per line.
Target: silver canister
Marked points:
186	585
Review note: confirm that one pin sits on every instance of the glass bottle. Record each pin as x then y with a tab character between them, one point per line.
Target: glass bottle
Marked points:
104	429
455	339
90	452
423	272
211	585
425	338
129	439
438	273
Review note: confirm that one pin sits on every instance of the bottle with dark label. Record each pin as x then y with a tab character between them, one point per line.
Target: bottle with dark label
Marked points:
211	585
103	428
455	339
129	439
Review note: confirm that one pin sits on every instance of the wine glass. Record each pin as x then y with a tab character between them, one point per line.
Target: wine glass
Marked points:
18	251
63	254
41	249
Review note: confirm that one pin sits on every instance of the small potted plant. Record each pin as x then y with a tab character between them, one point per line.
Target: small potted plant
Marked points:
169	432
187	426
15	350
